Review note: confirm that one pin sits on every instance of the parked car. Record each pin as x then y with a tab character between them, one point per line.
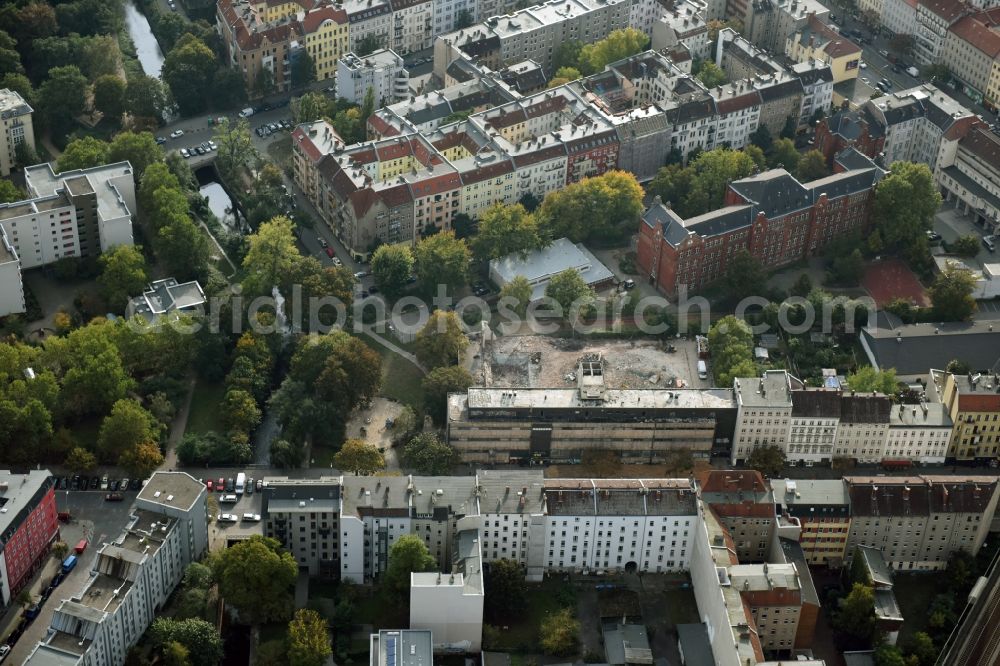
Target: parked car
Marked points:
64	483
104	482
113	485
360	274
989	242
74	484
933	236
176	134
628	284
260	132
220	485
213	145
260	484
114	497
251	517
95	482
329	252
209	485
322	241
160	140
136	484
230	485
184	153
124	485
228	518
4	651
249	489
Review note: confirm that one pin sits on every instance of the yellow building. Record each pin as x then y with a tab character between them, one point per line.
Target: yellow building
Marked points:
973	403
275	10
993	87
818	41
822	508
327	38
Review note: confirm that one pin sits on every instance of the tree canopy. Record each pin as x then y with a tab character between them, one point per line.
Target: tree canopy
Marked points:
189	69
438	384
407	554
441	259
359	457
701	186
427	454
731	343
257	577
601	208
441	342
569	290
951	294
506	229
867	379
392	266
308	640
616	46
905	203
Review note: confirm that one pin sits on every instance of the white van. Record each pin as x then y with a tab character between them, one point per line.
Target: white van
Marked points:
247	112
702	370
229	499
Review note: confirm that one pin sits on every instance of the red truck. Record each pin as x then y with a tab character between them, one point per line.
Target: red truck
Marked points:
81	546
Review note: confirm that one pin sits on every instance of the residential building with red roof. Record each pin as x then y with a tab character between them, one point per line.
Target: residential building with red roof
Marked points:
970	52
973	403
969	176
934	18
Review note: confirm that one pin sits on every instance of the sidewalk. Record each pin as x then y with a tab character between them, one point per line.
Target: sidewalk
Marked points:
177	429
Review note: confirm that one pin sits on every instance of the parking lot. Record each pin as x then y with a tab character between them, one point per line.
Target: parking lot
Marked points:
223	532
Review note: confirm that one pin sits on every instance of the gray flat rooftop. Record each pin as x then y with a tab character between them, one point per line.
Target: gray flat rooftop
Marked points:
376	495
104	593
57	652
926	415
771	390
626	644
179	490
810	492
406	647
20	488
42	181
540	398
541	265
501	491
693	641
763	577
456	493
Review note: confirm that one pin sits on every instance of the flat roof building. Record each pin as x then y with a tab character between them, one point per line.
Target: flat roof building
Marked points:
540	266
167	297
28	526
404	647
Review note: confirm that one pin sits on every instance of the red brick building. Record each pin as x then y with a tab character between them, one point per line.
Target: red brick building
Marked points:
28	525
850	129
772	215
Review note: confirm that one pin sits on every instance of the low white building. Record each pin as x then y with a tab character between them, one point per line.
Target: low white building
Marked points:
987	276
167	297
450	604
383	71
403	647
132	578
542	265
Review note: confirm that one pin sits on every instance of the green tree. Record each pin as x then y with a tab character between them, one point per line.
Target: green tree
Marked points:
602	208
285	454
408	554
308	640
905	203
123	275
441	342
175	654
141	460
127	426
188	69
618	45
228	89
812	166
63	95
80	460
359	457
10	192
138	148
560	633
236	149
368	106
856	616
239	411
568	288
438	384
348	124
711	75
146	97
966	246
198	576
867	379
962	570
958	367
10	59
802	286
567	54
303	70
508	589
902	44
848	269
506	229
83	154
568	73
951	294
392	266
405	425
519	292
271	257
921	646
761	137
784	155
368	45
441	259
183	249
427	454
888	655
768	459
744	276
311	106
203	642
732	350
257	577
109	96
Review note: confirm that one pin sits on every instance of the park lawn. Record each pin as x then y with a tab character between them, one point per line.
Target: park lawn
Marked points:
401	380
914	594
522	635
204	415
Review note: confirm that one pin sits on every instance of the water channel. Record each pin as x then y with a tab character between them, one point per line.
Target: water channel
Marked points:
146	46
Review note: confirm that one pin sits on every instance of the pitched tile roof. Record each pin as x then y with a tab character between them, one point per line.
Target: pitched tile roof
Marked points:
978	30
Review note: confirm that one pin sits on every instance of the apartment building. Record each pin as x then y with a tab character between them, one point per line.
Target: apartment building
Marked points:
918	434
12	292
685	26
918	521
742	502
817	89
132	578
971	48
764	410
412	25
645	12
818	41
900	16
934	18
374	512
823	509
327	38
448	14
773	593
973	404
772	215
507	425
768	23
28	526
304	515
442	507
381	71
79	213
261	40
369	20
615	525
15	115
512	506
968	174
532	33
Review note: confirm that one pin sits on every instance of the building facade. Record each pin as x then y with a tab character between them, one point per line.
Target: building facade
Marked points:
15	115
973	404
382	71
823	509
28	526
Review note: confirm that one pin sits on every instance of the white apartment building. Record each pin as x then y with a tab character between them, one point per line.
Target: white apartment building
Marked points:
617	525
685	26
971	49
383	71
79	213
368	19
450	604
15	115
921	433
412	25
934	17
512	506
448	12
375	511
738	105
900	16
817	86
132	578
969	174
644	13
304	515
764	411
11	286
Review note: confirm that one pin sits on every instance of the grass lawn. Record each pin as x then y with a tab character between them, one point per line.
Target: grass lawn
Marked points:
205	403
281	151
400	378
914	593
522	636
